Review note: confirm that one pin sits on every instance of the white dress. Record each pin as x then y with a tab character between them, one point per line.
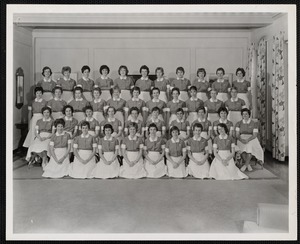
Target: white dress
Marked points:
158	170
198	171
105	171
135	172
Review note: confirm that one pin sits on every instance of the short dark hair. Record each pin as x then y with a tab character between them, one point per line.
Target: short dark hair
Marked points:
112	108
134	109
123	67
57	87
161	69
102	67
175	89
222	109
155	109
87	108
46	108
133	124
181	69
84	67
135	88
242	70
38	88
97	89
193	88
221	70
108	126
180	110
67	106
78	88
174	128
65	68
46	67
198	125
246	110
201	70
59	122
152	125
146	68
201	108
223	126
85	123
154	88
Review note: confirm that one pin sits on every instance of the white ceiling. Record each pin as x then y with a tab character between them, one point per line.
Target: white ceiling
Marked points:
235	20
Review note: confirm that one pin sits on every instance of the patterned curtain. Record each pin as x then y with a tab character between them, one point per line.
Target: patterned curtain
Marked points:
251	75
278	99
261	88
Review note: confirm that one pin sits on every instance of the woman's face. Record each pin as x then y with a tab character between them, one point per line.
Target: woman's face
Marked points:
38	94
159	73
180	74
123	72
68	112
89	113
144	72
220	74
234	93
179	115
175	133
135	94
152	131
107	132
155	94
193	93
96	94
57	93
201	114
85	129
47	73
134	114
46	113
201	75
175	95
60	128
223	115
155	114
213	94
111	112
77	94
86	73
245	115
197	131
132	130
104	72
221	130
239	75
67	74
116	94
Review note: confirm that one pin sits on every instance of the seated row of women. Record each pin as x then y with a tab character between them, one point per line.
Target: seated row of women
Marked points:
141	158
126	83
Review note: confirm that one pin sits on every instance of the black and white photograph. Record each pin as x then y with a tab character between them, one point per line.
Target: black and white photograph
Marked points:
151	122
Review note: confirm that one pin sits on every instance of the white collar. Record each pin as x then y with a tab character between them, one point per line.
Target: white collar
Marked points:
57	134
225	137
160	79
97	100
152	140
201	80
49	119
57	99
155	120
175	101
144	78
234	100
172	139
40	100
47	80
108	139
78	99
123	78
68	119
132	139
194	99
103	78
248	122
116	99
201	120
66	78
87	119
213	101
240	81
197	139
221	81
180	121
179	78
87	135
224	122
111	120
135	99
155	100
86	79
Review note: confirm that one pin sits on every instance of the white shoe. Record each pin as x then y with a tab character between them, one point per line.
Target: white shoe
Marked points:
243	168
249	168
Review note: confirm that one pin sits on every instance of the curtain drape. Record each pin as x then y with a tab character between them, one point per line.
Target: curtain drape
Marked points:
251	73
261	77
278	99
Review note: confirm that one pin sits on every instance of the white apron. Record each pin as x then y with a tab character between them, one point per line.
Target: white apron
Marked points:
244	96
222	96
38	146
192	117
213	117
47	96
172	117
135	172
204	134
105	171
79	116
57	115
72	140
80	170
158	170
163	96
31	133
202	96
92	133
182	135
98	116
105	95
184	96
67	96
252	147
234	117
88	96
119	115
125	94
220	172
198	171
55	170
179	172
145	96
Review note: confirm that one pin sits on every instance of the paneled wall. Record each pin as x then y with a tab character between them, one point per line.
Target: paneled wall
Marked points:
167	48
